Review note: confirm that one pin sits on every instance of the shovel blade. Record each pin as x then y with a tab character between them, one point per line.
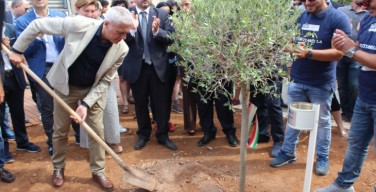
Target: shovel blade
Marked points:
139	179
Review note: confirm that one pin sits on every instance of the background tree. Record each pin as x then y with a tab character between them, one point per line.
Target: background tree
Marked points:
238	41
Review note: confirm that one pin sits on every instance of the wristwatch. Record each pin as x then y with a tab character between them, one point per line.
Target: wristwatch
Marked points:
351	52
309	54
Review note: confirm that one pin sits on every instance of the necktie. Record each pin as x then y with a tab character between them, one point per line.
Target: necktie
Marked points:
144	26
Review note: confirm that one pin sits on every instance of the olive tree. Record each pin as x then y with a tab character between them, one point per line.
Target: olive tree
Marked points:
239	41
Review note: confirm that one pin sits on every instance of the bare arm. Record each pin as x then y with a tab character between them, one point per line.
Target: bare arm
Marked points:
365	58
343	43
331	54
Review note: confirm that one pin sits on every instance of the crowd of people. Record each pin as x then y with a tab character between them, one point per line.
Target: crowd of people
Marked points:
81	56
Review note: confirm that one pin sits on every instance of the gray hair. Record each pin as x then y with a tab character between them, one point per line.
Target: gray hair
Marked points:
119	15
16	2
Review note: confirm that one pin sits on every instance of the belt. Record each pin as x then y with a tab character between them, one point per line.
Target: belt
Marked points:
9	73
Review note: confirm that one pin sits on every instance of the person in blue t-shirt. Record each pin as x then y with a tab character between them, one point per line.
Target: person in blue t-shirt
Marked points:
313	76
363	124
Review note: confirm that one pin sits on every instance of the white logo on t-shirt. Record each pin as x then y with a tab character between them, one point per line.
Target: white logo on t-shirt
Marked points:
372	28
310	27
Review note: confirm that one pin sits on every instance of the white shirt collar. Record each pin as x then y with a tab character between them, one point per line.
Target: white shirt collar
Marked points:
146	10
38	16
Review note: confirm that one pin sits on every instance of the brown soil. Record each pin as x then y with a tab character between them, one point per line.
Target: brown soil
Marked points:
206	169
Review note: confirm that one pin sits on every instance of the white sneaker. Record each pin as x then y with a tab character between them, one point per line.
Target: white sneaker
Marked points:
334	188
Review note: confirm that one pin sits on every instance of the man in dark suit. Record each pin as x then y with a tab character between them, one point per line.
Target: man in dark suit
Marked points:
40	55
14	86
5	175
147	70
18	8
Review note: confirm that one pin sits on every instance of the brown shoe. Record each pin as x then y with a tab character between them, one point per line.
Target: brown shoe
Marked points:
58	177
103	181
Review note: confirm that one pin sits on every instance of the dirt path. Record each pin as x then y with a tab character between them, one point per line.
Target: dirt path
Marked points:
213	168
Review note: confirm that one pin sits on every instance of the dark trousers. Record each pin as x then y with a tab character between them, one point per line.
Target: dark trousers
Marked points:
34	96
46	108
14	96
224	114
269	112
189	105
148	86
348	85
174	72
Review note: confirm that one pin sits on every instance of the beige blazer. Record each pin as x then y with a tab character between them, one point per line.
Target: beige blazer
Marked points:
78	32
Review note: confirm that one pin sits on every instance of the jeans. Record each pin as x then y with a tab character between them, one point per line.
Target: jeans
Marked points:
2	151
46	108
2	139
314	94
348	86
6	117
363	128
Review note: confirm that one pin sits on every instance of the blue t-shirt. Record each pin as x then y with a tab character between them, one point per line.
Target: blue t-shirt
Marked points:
323	25
367	43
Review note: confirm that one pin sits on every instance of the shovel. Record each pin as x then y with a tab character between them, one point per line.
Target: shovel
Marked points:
133	176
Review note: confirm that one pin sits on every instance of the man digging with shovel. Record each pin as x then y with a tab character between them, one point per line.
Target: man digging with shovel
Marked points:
93	51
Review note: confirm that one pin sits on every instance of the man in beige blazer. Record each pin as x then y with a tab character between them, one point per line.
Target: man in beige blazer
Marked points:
92	53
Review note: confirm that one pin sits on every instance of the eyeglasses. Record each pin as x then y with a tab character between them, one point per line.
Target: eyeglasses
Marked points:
307	0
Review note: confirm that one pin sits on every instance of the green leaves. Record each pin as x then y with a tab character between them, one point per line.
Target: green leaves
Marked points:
235	40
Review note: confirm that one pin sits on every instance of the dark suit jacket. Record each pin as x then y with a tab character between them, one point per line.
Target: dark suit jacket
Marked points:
157	47
10	32
36	52
8	17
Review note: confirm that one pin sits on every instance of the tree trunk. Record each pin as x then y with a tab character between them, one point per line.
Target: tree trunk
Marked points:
244	134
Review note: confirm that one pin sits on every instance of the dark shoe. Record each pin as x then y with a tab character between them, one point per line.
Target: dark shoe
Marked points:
50	151
6	176
58	177
141	142
263	139
282	158
103	181
232	140
29	147
168	144
206	140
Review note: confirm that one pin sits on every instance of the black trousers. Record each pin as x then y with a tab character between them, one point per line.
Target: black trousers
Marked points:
269	113
14	96
224	114
148	86
189	105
